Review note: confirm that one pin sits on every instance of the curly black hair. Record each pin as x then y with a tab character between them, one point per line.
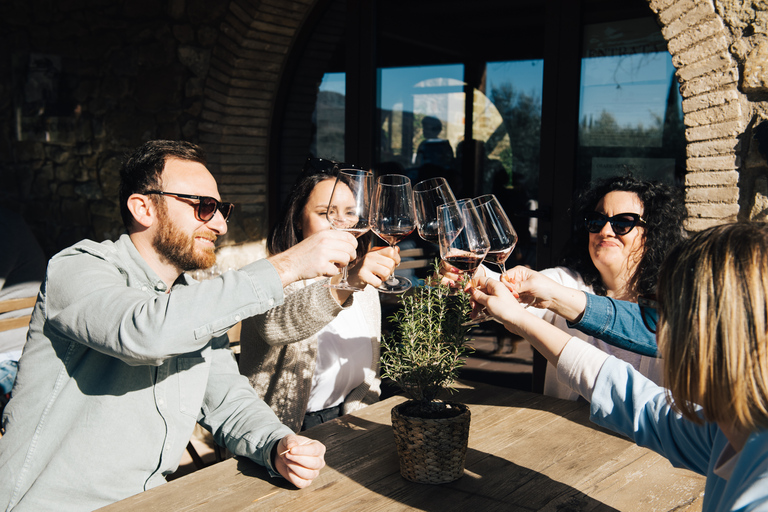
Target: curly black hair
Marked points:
664	213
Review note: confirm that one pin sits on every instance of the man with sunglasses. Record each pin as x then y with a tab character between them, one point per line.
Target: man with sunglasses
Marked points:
126	353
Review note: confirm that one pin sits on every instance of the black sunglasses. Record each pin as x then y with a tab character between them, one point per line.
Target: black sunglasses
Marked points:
649	312
205	209
621	224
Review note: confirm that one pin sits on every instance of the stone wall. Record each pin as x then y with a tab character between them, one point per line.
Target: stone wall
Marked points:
720	53
81	83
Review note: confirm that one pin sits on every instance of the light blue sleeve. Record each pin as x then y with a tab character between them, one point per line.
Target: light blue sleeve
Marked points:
626	402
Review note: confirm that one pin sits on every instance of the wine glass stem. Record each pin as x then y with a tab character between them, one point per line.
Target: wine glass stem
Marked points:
344	275
391	280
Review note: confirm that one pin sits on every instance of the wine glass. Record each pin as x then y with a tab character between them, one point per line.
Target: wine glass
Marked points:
427	196
392	219
348	210
461	236
501	235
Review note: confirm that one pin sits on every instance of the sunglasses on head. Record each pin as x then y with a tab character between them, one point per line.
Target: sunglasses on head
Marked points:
621	224
314	165
649	312
206	207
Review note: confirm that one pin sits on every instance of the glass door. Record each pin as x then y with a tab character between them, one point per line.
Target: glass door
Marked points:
630	108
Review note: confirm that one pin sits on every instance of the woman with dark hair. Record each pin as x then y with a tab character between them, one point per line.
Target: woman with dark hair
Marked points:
316	357
661	223
624	227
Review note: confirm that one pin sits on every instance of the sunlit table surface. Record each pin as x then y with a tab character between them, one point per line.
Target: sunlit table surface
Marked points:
526	452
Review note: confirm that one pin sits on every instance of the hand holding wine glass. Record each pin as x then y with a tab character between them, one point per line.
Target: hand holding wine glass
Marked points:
461	236
392	219
501	236
348	209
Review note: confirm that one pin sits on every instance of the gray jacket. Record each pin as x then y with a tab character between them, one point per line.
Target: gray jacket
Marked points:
116	372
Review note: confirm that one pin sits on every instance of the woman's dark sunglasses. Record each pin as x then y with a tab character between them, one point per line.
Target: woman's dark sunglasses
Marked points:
205	209
621	224
649	312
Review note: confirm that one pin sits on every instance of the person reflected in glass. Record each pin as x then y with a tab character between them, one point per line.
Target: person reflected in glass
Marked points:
434	152
316	357
624	227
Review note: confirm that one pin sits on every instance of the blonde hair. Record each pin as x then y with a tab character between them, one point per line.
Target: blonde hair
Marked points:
713	325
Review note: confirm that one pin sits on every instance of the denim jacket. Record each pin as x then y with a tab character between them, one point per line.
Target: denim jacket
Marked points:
617	322
116	372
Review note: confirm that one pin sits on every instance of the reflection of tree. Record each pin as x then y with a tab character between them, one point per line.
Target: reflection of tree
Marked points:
605	131
522	123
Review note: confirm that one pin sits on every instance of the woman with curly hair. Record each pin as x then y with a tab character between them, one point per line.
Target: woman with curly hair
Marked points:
624	227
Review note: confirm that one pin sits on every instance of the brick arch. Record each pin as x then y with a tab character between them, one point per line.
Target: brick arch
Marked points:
714	109
253	43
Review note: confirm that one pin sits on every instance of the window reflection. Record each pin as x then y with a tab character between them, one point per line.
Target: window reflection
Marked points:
422	133
630	115
328	118
421	121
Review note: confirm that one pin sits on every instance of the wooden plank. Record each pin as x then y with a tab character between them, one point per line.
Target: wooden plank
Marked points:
14	323
16	304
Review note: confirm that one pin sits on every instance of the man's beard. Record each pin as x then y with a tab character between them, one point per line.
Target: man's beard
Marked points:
178	248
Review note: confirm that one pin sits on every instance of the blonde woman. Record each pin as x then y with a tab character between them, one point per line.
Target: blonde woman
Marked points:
713	337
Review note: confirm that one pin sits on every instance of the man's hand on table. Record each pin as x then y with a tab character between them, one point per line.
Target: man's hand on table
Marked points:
299	459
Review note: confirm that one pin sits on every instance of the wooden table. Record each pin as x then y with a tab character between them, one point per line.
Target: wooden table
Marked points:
526	452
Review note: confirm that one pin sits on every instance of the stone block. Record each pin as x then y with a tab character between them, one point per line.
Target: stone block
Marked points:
713	210
674	10
720	114
701	50
709	82
713	163
90	191
730	129
195	59
712	194
756	69
713	148
714	63
713	178
700	14
691	37
695	224
711	99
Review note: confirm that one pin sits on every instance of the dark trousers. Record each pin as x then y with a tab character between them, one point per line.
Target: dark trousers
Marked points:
314	418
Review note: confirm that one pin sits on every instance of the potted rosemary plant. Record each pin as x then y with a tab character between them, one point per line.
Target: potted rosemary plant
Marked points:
423	356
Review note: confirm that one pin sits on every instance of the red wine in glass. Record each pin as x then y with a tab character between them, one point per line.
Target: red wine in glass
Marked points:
466	263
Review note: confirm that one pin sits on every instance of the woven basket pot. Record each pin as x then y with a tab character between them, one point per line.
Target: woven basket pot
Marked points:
431	450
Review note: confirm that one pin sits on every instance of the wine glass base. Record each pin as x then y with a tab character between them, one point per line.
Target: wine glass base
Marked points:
343	286
395	284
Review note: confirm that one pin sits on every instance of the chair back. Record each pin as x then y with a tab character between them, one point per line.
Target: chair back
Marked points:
9	305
